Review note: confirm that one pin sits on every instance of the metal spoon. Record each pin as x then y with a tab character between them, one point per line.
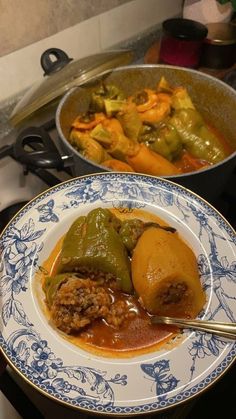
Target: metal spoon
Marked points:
227	330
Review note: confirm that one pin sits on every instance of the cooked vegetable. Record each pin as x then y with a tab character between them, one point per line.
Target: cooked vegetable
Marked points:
113	106
117	165
163	119
138	156
144	100
149	162
116	143
196	136
181	99
88	120
165	275
131	230
130	121
164	86
157	113
164	139
87	146
93	246
127	114
101	134
112	125
104	91
90	294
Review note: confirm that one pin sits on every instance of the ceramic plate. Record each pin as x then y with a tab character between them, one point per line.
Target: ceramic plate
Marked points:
113	386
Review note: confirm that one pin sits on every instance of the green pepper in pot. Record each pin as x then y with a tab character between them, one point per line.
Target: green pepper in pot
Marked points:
93	246
164	139
196	137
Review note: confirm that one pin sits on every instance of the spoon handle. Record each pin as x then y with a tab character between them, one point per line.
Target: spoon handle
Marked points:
227	330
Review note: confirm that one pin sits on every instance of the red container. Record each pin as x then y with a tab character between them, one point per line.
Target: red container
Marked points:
181	42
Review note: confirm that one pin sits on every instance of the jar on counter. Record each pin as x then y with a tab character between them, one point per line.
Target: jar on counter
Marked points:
181	42
219	47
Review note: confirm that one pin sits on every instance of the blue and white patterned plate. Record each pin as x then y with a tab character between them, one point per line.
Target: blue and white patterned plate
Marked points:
112	386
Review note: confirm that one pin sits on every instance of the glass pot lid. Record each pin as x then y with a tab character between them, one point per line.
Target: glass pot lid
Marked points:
61	73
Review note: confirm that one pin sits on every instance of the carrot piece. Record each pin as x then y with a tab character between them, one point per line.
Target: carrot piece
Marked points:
151	163
117	165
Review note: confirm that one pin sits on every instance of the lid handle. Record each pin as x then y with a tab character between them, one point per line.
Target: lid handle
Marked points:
53	59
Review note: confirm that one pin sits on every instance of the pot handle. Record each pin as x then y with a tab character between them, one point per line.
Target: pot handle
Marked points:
50	65
35	148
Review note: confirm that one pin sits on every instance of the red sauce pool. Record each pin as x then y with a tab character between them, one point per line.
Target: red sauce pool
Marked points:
135	333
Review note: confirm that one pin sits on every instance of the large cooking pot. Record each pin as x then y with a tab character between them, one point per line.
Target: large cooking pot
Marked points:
214	99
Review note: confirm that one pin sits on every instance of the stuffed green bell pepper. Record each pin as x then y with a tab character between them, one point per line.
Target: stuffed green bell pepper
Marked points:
163	138
131	230
196	137
93	247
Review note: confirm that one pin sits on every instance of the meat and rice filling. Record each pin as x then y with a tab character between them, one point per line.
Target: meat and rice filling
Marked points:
78	302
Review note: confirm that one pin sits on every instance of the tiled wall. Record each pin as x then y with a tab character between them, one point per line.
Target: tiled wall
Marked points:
23	22
30	32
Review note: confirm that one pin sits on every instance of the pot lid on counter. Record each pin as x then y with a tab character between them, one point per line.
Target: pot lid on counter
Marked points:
61	73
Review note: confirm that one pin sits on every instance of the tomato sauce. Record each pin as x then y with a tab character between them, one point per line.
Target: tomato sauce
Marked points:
188	163
135	334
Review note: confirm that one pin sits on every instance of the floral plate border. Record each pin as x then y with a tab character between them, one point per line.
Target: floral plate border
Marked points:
34	354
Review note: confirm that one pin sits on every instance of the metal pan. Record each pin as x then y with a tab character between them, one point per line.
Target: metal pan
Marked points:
213	98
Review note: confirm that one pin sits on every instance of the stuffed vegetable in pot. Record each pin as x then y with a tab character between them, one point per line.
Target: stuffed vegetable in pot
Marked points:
152	131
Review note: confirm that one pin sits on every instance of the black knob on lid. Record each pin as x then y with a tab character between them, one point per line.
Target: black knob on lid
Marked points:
54	59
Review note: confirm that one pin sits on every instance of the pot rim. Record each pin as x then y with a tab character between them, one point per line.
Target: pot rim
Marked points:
141	66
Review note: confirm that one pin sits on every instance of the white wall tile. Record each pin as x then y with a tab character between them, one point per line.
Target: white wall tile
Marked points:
21	69
135	17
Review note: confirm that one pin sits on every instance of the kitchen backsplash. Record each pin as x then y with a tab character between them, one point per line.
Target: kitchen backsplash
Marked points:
79	27
23	22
